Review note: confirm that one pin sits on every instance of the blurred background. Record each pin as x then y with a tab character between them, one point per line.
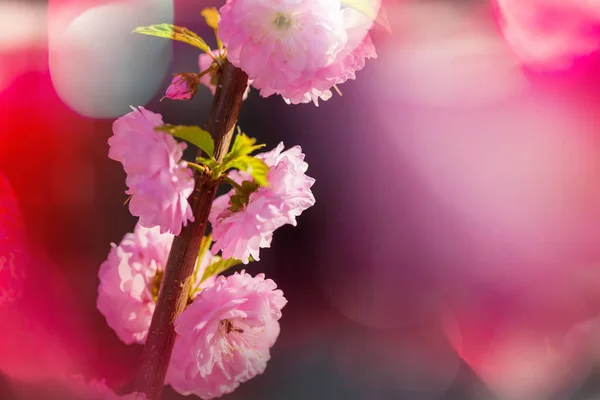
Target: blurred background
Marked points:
454	250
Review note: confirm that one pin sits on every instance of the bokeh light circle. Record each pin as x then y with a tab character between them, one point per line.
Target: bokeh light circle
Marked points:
99	68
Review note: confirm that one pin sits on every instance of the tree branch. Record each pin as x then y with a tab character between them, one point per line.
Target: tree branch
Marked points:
173	295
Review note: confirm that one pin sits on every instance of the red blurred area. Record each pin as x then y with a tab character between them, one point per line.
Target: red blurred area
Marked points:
43	155
34	303
12	249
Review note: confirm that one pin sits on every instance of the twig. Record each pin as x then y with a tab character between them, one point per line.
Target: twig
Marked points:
173	295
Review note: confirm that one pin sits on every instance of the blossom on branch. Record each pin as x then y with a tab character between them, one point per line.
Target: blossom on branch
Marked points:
224	336
299	49
159	181
127	282
240	233
130	279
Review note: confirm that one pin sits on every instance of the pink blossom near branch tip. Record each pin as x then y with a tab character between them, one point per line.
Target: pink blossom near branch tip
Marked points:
241	234
224	336
298	49
158	181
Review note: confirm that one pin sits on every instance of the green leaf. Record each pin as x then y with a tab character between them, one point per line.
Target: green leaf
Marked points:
211	15
254	166
218	267
239	158
193	134
173	32
242	145
371	10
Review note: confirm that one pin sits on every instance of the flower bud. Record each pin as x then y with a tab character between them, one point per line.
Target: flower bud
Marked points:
183	86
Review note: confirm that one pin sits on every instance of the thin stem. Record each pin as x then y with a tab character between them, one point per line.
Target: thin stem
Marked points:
206	71
201	168
173	295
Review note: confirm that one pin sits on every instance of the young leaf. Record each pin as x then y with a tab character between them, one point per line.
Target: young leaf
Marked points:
219	267
193	134
211	15
242	145
252	165
371	10
178	33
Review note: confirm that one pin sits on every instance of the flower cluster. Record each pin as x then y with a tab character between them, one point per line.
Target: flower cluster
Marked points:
241	233
224	335
298	49
158	181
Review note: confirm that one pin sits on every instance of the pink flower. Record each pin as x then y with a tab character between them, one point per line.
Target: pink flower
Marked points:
298	49
205	61
242	233
183	86
289	186
282	43
351	59
224	336
130	279
96	390
161	199
550	34
128	285
159	181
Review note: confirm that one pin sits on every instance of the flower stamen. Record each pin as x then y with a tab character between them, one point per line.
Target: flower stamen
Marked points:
282	21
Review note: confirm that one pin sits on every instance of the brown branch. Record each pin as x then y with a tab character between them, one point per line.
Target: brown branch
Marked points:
176	281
